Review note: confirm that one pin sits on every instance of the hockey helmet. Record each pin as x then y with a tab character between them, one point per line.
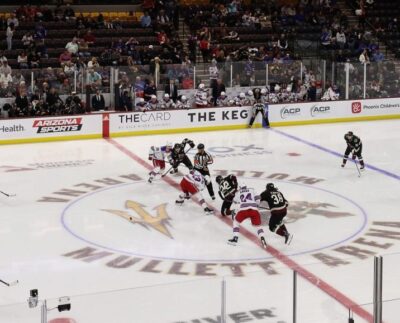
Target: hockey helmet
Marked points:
183	98
263	91
168	144
141	100
177	146
200	146
242	95
277	88
231	103
166	96
153	97
271	187
350	133
201	86
218	179
250	93
223	93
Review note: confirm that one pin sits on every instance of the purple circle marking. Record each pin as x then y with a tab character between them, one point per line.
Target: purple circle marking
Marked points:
69	230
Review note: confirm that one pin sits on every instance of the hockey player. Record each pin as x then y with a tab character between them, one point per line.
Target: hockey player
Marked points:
250	97
259	107
354	145
201	161
222	100
227	188
278	206
192	184
153	103
264	95
241	100
183	103
200	97
247	209
141	105
178	155
167	103
158	155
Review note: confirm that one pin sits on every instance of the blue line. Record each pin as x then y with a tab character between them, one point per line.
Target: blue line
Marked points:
332	152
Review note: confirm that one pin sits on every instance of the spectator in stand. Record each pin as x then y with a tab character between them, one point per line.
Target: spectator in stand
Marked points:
163	22
89	37
93	63
65	58
40	33
145	20
69	13
341	38
33	60
364	58
23	60
205	49
83	48
377	56
27	40
94	79
72	47
22	102
9	35
98	102
326	38
5	68
162	37
100	22
13	20
5	79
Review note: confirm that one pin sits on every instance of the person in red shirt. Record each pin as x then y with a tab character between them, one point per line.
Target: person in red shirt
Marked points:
89	37
65	58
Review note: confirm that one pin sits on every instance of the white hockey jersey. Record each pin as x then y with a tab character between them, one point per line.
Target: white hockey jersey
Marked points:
168	104
152	105
158	153
200	98
197	179
222	101
245	199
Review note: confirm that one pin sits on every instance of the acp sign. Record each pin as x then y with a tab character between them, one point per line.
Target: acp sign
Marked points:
289	112
316	110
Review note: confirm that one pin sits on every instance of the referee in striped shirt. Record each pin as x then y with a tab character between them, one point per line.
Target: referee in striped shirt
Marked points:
201	161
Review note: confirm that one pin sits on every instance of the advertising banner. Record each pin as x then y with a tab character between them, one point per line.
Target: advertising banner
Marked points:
188	120
59	128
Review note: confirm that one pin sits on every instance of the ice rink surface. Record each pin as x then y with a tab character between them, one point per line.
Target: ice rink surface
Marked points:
63	234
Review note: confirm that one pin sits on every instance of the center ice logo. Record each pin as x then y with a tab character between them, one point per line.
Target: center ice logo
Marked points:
301	209
146	220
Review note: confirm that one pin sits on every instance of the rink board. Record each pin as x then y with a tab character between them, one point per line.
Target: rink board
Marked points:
192	120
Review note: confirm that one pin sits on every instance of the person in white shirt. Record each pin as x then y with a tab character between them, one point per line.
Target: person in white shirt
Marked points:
341	39
364	58
9	35
72	46
5	80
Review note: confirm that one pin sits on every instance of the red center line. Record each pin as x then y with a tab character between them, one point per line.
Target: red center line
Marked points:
303	272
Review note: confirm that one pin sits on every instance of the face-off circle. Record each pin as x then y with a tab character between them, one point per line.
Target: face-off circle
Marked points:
141	220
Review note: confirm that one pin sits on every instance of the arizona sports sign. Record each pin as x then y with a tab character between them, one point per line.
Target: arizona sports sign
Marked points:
58	125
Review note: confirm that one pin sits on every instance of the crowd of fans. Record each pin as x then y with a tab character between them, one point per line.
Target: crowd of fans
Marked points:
219	32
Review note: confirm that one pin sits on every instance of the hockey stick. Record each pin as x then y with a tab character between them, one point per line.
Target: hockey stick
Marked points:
167	172
13	283
358	169
8	195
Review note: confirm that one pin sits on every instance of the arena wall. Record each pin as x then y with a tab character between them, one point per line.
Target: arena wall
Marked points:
115	124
